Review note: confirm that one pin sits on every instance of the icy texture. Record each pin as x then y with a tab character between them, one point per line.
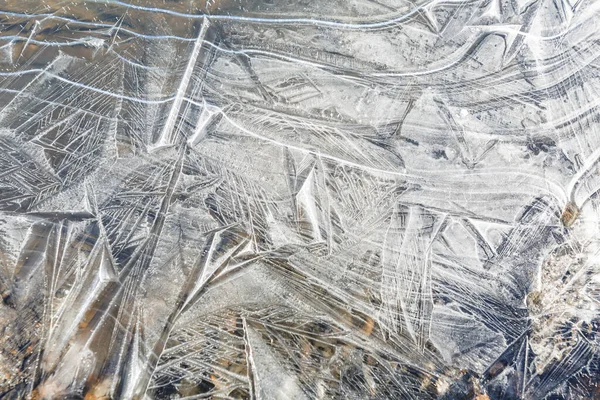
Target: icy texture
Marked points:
299	199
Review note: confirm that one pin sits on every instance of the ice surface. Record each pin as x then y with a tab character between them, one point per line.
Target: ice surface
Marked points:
327	199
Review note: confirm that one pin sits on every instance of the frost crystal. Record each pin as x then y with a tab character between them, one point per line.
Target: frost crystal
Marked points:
366	199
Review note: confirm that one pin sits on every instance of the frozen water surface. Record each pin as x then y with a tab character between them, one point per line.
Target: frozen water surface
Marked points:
327	199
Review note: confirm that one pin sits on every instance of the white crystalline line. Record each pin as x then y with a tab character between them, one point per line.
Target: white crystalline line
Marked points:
586	168
167	135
